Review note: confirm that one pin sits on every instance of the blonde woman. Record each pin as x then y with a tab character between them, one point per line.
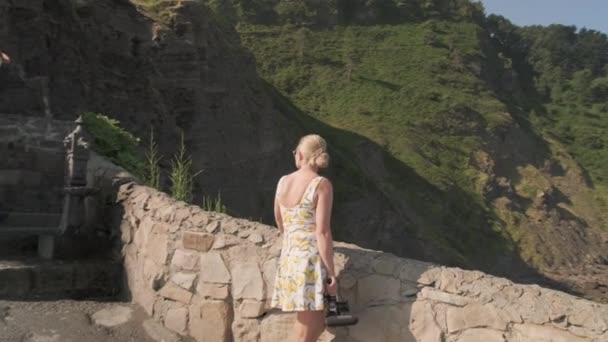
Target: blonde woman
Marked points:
302	210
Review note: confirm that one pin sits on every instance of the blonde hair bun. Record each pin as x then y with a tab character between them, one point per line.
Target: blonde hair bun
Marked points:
314	150
322	160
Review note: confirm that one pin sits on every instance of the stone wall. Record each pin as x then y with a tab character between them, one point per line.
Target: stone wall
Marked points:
32	163
209	276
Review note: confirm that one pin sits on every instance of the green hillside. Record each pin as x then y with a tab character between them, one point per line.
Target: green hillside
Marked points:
394	87
457	137
442	90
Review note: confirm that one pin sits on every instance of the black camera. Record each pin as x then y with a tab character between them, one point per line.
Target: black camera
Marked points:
338	313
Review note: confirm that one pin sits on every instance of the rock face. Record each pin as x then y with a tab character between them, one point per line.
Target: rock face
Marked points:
223	294
124	61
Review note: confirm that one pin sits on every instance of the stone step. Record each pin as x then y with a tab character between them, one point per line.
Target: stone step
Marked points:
22	177
24	220
9	232
36	279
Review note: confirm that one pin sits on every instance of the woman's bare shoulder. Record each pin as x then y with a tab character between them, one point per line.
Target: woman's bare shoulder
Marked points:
325	184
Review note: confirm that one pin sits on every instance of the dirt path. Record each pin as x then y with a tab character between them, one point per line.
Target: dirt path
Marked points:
67	321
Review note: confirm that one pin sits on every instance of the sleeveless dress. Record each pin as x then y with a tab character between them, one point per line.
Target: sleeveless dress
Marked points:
299	283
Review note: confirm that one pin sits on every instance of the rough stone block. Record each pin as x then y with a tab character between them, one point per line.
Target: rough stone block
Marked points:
384	266
159	333
162	306
230	227
481	335
177	320
378	289
212	291
144	229
539	333
251	308
157	248
277	327
212	227
418	271
185	280
245	329
198	241
382	323
422	325
112	316
213	269
185	260
269	270
209	321
176	293
444	297
154	274
475	315
256	238
347	281
247	281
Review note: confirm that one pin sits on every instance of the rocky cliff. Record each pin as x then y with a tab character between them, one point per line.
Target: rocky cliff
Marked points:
172	73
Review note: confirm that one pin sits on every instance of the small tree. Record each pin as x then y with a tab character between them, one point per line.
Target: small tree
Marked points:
182	178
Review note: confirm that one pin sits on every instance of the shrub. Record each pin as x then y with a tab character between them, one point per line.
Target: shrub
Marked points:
113	141
151	174
181	176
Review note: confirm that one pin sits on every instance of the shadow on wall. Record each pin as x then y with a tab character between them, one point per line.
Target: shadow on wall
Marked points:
380	292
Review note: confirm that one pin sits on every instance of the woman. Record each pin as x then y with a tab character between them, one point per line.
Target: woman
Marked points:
302	210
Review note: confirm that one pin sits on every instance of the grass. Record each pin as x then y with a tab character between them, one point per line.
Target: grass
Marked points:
152	170
181	175
214	204
580	131
159	10
388	97
414	98
414	90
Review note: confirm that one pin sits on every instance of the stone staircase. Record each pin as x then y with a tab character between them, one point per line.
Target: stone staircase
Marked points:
23	224
31	278
45	252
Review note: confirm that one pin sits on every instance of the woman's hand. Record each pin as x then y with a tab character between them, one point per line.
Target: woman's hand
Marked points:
331	286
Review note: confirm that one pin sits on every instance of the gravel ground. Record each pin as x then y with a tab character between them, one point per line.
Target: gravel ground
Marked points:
66	321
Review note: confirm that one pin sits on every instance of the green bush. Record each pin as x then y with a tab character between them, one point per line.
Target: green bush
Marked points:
113	142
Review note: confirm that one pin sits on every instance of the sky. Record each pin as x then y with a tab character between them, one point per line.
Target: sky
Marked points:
592	14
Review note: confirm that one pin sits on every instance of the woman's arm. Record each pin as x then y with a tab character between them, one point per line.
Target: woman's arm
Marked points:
277	215
325	196
277	209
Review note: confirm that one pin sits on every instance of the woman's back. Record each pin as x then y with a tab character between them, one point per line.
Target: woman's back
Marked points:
294	189
298	202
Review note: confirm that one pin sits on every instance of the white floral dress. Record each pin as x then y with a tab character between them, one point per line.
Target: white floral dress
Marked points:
299	282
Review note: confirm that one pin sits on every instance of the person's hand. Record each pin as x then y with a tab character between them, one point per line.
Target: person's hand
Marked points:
5	58
331	286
